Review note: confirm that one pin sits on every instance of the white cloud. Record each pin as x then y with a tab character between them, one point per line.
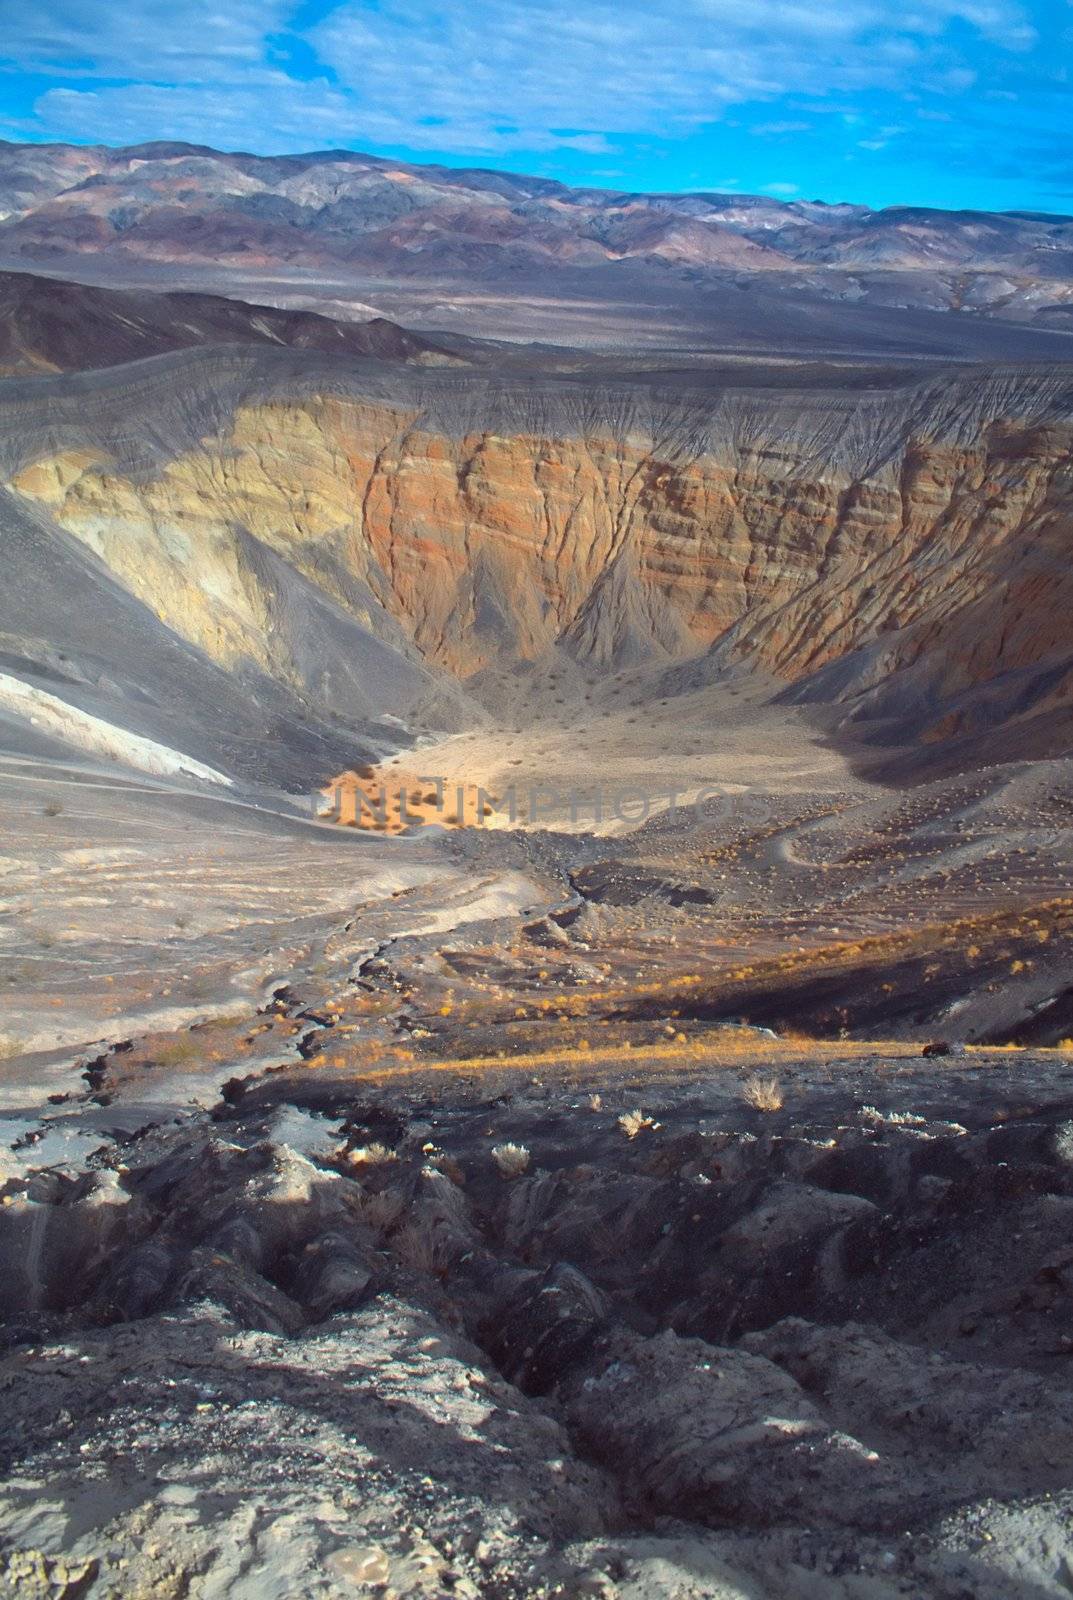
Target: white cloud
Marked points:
302	116
203	41
661	68
487	78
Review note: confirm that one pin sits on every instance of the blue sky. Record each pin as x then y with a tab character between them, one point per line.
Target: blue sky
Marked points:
929	102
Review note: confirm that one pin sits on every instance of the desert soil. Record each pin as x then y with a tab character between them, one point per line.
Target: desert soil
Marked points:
545	1212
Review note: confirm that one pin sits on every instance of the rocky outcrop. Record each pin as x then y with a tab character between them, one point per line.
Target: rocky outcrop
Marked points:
416	1363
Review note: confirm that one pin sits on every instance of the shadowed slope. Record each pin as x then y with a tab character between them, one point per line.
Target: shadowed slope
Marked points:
71	632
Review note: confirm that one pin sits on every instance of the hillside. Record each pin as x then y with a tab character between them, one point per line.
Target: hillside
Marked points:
49	325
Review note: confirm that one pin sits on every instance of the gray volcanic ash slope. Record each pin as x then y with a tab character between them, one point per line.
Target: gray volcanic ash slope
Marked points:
484	1332
106	674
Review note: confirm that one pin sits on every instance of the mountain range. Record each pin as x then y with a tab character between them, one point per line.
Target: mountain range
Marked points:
494	253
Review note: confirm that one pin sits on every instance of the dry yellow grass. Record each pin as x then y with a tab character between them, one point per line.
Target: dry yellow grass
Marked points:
175	1052
866	954
698	1055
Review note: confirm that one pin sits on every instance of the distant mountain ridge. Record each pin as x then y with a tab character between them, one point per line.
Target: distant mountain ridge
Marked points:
166	206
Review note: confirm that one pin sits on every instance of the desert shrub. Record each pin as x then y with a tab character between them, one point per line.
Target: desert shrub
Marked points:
511	1159
370	1155
419	1248
763	1094
634	1122
382	1211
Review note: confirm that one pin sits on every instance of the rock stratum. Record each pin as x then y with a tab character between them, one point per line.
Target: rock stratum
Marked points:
352	541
